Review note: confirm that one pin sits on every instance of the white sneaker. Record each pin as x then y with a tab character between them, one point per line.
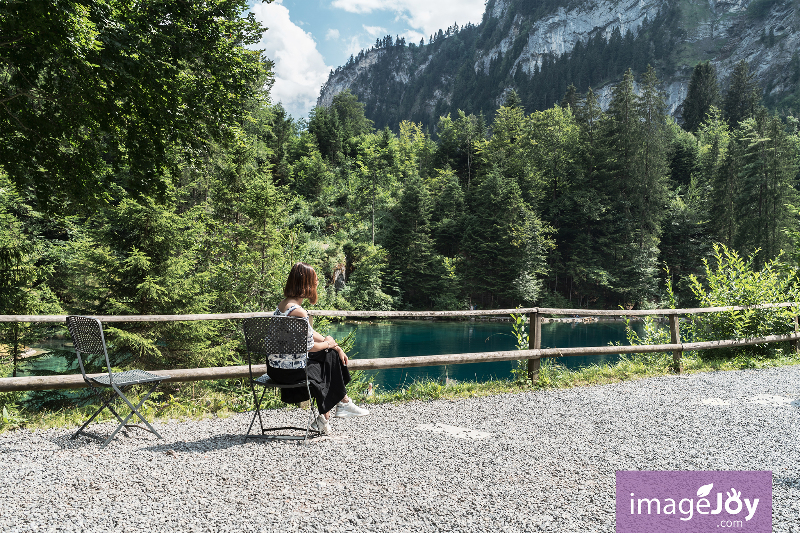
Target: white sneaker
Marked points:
321	425
349	410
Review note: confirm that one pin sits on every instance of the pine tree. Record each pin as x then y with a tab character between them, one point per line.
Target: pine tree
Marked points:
635	177
448	217
585	264
410	246
655	145
743	95
570	98
513	100
23	272
767	193
504	245
702	94
717	180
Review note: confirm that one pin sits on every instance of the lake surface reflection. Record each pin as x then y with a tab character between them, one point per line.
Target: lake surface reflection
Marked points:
405	338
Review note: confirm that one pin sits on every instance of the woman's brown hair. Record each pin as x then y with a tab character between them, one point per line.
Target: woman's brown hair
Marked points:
302	283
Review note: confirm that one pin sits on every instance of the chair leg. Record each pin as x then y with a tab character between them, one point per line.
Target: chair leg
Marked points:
133	410
311	403
257	400
103	406
312	409
138	406
105	403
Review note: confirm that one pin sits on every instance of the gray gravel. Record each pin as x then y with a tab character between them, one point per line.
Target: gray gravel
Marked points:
548	463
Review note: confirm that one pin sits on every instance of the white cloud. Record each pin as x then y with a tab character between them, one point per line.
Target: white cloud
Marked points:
412	36
354	46
332	35
424	15
361	6
375	31
300	69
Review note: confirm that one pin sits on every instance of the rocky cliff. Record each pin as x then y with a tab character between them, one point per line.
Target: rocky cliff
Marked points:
472	68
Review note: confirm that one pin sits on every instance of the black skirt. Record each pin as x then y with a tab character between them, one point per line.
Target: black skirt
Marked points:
327	378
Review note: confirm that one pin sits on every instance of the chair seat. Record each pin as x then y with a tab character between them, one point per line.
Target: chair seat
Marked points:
266	381
128	377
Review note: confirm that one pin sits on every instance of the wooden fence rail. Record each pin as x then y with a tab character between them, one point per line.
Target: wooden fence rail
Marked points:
534	354
405	314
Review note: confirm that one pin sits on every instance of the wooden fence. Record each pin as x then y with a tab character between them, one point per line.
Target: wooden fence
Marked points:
533	354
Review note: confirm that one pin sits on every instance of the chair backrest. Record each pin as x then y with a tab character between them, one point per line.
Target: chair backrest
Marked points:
88	338
275	334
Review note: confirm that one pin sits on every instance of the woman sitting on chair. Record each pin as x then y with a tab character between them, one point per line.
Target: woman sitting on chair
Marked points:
325	361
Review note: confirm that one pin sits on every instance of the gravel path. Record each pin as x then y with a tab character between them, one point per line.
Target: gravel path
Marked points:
547	463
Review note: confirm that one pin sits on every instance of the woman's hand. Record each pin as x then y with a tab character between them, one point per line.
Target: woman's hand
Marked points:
342	356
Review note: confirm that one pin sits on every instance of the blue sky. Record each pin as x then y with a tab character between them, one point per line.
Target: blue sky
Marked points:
308	38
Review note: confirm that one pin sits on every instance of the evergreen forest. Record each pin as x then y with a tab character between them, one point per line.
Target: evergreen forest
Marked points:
451	71
144	169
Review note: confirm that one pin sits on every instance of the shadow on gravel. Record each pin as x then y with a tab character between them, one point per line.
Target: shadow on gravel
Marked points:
148	443
223	442
125	437
217	442
789	482
12	450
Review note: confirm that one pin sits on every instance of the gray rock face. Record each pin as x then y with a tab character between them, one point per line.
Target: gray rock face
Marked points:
558	33
346	77
721	31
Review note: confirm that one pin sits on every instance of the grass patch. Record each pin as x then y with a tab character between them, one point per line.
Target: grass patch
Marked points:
222	399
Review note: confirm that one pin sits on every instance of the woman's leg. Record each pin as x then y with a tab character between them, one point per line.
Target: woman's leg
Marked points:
300	394
328	378
290	375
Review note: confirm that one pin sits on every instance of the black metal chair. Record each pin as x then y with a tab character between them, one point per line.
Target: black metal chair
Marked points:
270	335
88	338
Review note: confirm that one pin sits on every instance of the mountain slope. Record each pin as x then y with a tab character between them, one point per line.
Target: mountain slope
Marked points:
539	48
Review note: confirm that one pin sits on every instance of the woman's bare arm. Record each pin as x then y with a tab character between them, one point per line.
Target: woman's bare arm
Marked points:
320	342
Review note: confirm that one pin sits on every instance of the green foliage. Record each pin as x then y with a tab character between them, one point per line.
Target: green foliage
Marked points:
703	93
731	280
11	412
458	143
25	265
506	245
102	93
653	331
196	194
10	417
743	95
519	330
365	288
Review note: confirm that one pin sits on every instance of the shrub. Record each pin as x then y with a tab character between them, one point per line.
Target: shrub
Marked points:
732	281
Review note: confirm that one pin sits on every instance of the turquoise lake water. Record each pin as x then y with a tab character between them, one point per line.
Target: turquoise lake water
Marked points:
404	338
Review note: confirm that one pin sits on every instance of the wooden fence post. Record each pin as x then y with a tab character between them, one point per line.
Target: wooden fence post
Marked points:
534	343
675	338
794	343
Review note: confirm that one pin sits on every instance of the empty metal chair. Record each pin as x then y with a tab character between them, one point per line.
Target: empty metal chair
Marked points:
269	335
87	335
